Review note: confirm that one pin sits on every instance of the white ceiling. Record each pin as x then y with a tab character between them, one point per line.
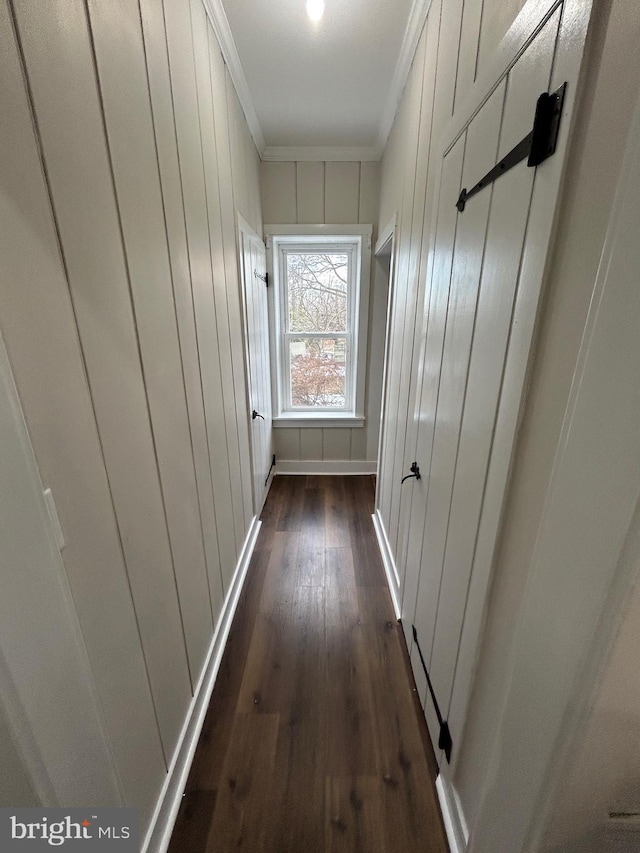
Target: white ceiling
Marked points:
334	83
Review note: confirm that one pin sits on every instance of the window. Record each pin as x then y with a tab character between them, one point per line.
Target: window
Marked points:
320	311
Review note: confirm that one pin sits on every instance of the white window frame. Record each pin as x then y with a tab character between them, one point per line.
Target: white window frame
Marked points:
280	238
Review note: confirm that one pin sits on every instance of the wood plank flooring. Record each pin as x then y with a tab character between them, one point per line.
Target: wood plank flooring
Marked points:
314	741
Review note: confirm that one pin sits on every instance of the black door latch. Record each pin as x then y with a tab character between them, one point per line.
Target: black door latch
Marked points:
415	472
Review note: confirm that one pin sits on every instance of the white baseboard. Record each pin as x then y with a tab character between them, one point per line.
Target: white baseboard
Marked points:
454	822
388	562
325	466
166	811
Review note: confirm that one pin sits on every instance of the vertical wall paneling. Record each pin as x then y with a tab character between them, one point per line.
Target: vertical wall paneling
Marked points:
120	65
236	147
364	442
582	558
16	783
256	313
469	47
416	272
310	193
392	166
400	348
431	366
369	198
59	60
220	84
342	193
481	147
216	281
171	182
380	283
310	443
391	189
336	443
125	155
443	29
471	347
63	748
451	31
392	199
245	159
181	63
255	162
42	340
506	235
251	165
358	442
287	443
565	65
278	181
409	185
317	193
387	488
497	17
216	172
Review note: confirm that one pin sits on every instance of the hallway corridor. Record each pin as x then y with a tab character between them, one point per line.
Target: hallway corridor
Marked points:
314	740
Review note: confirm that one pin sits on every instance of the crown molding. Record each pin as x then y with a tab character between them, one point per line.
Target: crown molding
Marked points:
219	22
412	33
328	154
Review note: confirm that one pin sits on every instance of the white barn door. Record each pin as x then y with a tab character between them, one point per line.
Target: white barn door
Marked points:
485	285
254	279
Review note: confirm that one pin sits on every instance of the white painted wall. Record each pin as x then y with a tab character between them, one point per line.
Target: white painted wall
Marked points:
125	159
15	784
602	771
339	193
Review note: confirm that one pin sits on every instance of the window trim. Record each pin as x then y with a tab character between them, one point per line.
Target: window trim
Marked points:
308	235
350	246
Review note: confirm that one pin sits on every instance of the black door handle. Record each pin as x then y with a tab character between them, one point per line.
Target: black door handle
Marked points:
415	472
255	415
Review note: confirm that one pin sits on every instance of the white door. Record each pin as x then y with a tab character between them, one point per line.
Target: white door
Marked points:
486	279
254	277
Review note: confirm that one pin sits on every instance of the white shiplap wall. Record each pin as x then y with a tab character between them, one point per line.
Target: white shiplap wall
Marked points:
447	61
461	42
407	187
317	193
125	156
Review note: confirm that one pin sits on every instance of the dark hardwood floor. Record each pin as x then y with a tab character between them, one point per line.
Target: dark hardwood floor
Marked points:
313	740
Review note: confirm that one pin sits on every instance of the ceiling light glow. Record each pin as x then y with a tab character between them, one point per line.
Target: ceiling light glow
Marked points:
315	9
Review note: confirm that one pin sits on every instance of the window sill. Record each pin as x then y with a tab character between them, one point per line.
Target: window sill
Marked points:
322	420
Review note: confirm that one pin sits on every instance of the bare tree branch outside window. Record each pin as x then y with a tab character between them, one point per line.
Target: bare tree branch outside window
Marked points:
317	302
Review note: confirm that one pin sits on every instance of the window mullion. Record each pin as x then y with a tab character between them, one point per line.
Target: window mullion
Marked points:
317	335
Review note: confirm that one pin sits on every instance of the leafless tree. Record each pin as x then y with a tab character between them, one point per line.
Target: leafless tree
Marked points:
317	302
317	289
